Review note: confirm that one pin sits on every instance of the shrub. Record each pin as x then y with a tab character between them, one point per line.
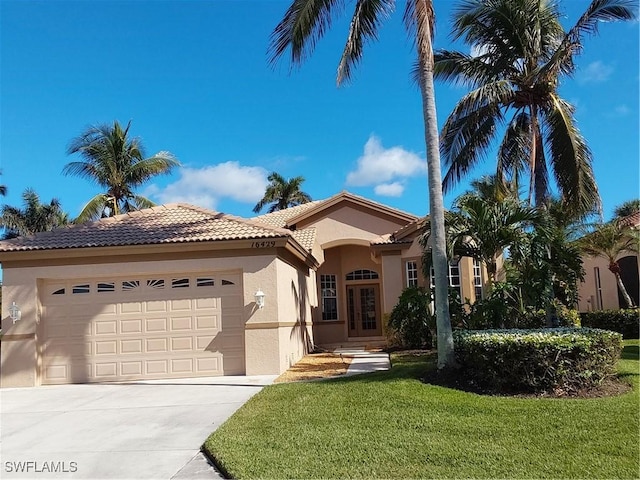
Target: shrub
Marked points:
410	319
561	359
626	322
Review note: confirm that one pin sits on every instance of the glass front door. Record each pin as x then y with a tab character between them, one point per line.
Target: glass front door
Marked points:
363	310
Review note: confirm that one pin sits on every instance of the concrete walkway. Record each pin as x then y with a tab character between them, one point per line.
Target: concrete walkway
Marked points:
363	361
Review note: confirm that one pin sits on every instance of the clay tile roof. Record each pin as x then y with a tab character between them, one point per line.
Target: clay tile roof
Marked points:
632	220
174	223
305	237
281	217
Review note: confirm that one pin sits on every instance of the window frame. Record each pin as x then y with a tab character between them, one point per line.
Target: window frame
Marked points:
328	282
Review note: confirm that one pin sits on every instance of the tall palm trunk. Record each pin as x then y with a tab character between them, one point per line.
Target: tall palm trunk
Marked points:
615	269
436	206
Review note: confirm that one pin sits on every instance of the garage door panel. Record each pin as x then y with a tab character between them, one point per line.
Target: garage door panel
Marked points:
133	326
157	367
209	364
180	305
106	347
182	365
156	306
181	323
106	370
131	368
133	346
181	344
105	327
131	307
156	325
157	345
204	322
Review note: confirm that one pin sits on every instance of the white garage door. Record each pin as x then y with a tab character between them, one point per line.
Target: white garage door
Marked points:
157	326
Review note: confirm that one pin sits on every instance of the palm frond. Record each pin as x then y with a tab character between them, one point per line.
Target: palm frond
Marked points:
515	149
141	171
93	209
419	19
470	129
571	158
303	24
366	21
598	11
463	70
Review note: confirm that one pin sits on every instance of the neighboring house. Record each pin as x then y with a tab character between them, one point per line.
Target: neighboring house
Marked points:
599	290
170	291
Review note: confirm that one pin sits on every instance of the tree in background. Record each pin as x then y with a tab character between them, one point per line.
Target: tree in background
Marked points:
609	241
520	52
486	221
547	265
282	193
627	208
33	218
117	163
304	23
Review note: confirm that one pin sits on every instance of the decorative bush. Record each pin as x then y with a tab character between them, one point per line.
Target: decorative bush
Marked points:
560	359
626	322
410	319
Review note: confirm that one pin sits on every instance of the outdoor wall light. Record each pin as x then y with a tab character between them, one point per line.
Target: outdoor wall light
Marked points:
260	298
14	312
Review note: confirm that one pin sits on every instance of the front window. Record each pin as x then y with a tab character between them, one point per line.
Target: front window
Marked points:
412	274
329	295
454	277
477	278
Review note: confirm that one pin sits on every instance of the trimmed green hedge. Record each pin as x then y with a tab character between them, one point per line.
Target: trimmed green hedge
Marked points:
560	359
626	322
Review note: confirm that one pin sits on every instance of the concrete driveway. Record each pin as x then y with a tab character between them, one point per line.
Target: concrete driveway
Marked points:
144	430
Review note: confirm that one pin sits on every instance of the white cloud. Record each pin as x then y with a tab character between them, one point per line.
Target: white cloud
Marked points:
595	72
378	165
622	110
206	186
394	189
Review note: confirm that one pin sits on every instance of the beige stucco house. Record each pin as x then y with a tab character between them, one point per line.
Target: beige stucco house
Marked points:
599	290
170	291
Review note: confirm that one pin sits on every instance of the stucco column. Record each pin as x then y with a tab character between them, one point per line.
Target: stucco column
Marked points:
18	359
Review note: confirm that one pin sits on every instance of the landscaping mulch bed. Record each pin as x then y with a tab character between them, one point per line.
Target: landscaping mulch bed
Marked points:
315	366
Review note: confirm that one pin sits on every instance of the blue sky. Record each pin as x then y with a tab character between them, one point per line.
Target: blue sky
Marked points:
193	78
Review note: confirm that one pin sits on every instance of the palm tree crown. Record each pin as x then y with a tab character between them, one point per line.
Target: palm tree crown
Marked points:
33	218
520	51
116	163
282	193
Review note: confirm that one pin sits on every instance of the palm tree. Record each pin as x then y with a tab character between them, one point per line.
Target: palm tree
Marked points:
485	222
627	208
304	23
282	193
116	163
609	241
520	53
33	218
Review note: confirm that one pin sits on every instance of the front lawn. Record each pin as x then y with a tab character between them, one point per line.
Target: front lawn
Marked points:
391	425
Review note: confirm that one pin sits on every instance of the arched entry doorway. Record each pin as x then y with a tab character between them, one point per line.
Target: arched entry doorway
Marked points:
363	303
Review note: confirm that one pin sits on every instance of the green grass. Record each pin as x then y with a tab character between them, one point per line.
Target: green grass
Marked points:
390	425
